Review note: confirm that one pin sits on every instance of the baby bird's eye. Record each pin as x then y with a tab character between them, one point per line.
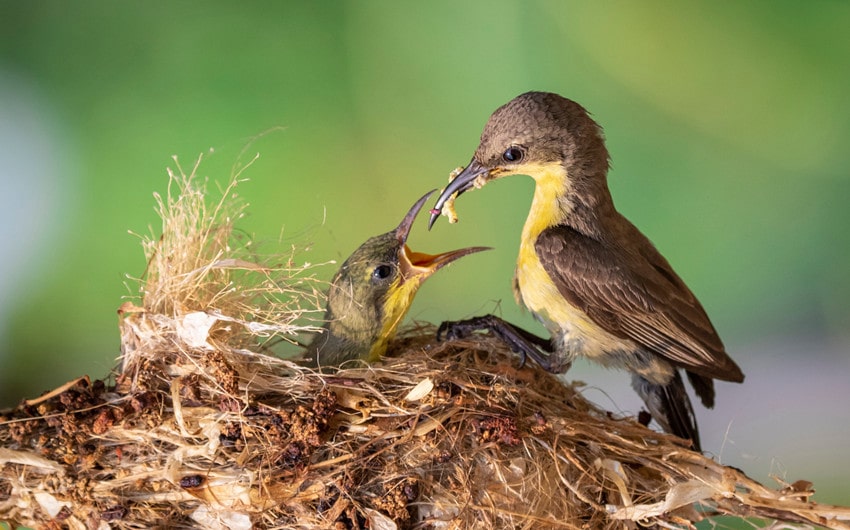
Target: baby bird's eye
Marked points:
382	272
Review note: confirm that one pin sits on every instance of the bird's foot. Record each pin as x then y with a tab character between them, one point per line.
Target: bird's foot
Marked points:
524	343
460	329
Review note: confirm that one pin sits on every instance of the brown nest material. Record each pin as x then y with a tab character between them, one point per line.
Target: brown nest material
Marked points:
203	428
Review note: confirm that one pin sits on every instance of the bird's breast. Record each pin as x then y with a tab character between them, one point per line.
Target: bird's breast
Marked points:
534	288
536	291
574	332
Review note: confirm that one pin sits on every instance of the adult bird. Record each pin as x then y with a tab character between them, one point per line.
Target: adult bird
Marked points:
371	293
589	275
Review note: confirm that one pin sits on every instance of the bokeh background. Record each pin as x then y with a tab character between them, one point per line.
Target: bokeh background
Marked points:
728	124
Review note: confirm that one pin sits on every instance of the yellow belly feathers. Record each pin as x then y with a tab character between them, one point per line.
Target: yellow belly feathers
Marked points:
534	287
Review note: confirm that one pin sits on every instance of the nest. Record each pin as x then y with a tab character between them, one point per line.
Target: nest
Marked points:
201	427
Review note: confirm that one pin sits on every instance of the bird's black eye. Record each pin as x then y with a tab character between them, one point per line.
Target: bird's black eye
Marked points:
513	154
381	272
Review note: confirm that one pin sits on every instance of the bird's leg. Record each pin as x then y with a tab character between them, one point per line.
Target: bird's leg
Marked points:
670	406
523	342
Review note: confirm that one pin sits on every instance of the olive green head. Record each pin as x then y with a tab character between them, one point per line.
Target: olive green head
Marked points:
371	293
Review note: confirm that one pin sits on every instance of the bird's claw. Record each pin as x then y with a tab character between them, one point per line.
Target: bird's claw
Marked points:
454	330
522	357
525	345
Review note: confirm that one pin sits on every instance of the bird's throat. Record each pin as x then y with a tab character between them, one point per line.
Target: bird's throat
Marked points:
394	310
551	204
533	288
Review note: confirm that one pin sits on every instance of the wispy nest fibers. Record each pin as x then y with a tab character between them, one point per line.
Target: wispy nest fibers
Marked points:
202	428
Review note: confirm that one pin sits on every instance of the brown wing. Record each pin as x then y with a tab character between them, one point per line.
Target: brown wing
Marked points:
635	294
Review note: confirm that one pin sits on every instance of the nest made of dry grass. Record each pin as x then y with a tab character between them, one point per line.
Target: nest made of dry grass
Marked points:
203	428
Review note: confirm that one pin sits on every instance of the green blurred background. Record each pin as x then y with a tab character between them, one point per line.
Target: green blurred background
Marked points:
728	124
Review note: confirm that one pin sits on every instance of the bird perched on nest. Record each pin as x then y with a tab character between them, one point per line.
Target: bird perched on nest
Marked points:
588	274
371	293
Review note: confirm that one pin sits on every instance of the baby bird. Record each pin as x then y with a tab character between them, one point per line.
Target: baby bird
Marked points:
371	293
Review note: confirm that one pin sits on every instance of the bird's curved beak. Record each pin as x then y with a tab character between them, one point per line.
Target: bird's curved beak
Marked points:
467	179
417	265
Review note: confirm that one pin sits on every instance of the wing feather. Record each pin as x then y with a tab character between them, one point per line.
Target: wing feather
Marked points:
635	294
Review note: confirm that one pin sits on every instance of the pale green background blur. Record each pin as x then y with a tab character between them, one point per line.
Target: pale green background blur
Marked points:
728	124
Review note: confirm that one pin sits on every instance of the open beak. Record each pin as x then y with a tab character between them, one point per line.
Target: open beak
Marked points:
416	265
466	180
